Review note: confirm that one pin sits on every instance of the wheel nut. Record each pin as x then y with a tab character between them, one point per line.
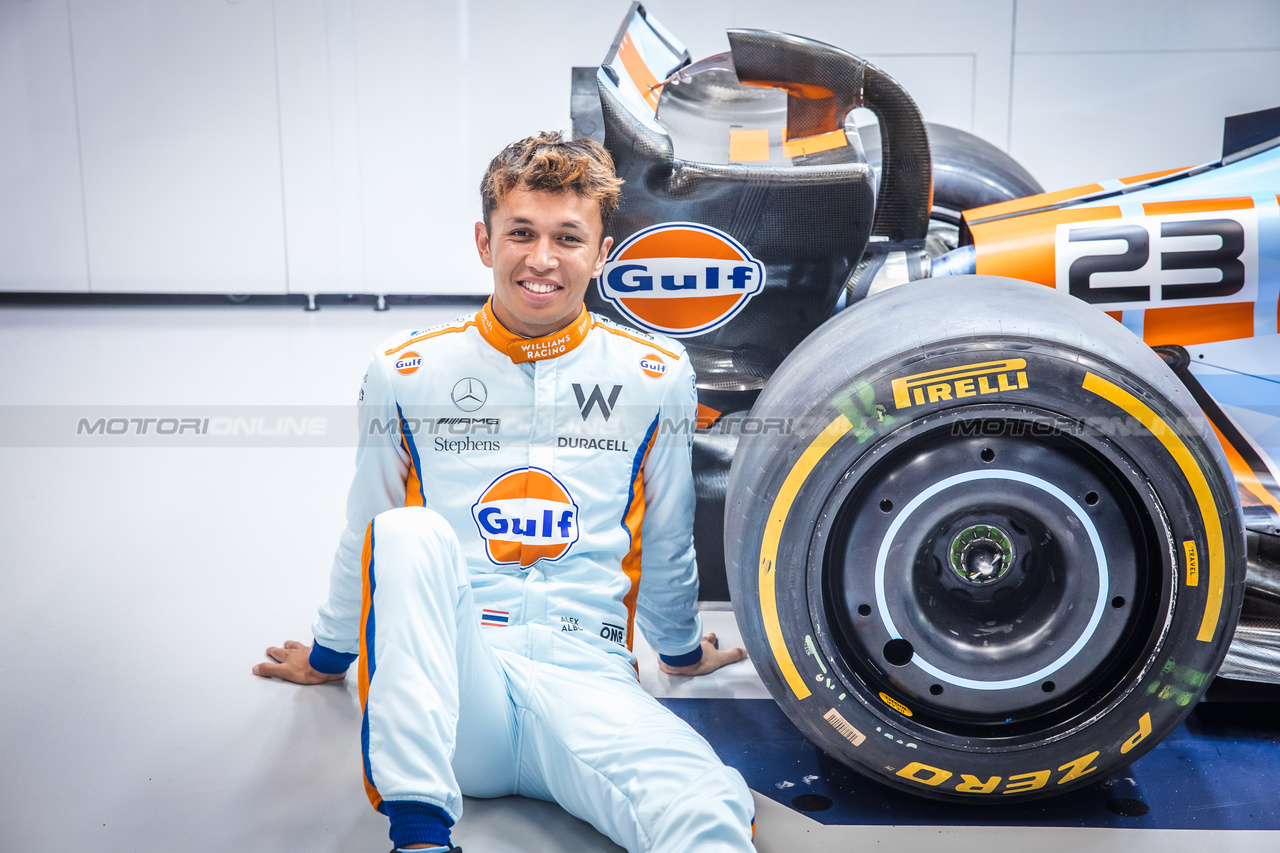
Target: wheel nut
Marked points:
981	553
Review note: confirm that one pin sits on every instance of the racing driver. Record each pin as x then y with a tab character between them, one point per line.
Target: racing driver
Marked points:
523	497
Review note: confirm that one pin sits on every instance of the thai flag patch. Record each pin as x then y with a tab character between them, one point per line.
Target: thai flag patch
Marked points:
494	618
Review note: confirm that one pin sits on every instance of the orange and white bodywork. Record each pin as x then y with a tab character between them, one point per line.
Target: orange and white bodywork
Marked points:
1183	257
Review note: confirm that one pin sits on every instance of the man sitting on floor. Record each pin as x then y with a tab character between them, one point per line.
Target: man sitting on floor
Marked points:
523	496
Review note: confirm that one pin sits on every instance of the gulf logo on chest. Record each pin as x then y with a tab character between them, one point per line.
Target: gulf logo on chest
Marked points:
681	278
526	515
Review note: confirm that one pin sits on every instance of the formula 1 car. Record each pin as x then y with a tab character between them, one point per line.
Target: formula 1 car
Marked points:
986	535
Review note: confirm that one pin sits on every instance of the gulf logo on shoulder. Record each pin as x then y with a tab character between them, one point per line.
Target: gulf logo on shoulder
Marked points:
526	515
408	363
653	365
681	278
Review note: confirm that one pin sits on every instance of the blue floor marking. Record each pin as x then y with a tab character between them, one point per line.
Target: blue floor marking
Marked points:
1219	770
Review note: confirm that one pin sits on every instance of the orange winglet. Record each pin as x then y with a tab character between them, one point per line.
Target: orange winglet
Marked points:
638	71
1245	475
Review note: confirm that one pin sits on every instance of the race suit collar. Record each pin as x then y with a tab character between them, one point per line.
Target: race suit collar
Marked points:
532	349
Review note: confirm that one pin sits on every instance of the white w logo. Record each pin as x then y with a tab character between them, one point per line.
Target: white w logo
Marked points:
586	403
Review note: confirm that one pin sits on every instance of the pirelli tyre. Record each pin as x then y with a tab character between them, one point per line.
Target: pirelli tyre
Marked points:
981	543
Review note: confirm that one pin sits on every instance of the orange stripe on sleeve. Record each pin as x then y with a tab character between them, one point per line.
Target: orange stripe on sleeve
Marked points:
372	793
413	485
634	522
366	604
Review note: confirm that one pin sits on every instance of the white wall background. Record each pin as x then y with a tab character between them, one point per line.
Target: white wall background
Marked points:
310	146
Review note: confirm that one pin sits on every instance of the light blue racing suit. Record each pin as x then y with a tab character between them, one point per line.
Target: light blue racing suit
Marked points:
531	500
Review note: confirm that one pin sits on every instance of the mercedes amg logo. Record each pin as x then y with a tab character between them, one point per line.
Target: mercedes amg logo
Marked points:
469	394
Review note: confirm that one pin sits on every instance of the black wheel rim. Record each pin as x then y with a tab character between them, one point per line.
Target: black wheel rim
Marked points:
991	577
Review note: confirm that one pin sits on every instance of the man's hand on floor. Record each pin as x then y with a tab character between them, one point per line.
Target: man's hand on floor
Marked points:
293	663
712	658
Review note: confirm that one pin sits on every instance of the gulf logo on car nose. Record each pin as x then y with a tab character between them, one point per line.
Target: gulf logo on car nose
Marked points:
681	278
526	515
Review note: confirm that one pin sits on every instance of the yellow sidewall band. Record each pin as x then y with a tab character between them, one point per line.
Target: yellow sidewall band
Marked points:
1215	545
769	548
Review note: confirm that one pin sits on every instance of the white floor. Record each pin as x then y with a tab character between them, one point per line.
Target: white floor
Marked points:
140	582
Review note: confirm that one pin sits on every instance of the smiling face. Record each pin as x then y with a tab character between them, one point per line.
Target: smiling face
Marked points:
544	248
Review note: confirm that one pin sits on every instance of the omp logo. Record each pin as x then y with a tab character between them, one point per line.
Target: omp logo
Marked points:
408	363
653	366
681	278
526	515
953	383
588	402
